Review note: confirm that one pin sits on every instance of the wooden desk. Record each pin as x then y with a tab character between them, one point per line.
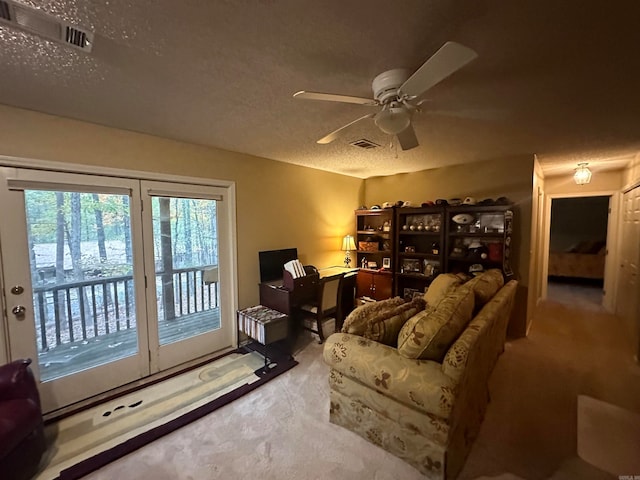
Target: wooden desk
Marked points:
275	296
331	271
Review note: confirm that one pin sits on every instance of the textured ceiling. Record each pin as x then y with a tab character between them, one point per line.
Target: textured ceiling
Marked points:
555	78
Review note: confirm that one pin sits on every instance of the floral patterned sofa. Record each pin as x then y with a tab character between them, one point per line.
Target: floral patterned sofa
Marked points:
421	396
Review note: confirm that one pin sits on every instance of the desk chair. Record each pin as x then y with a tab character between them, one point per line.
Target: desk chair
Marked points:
326	307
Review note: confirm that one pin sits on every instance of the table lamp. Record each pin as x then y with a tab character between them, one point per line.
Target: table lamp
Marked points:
347	245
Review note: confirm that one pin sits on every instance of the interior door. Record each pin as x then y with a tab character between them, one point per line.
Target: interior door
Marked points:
72	281
187	249
628	303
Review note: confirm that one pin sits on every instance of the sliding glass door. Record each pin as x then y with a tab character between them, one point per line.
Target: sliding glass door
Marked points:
109	280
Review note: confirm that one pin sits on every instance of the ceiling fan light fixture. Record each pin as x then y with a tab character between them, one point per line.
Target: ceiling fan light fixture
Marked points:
582	175
393	120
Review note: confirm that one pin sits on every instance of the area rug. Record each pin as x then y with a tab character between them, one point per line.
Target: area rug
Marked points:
88	440
608	436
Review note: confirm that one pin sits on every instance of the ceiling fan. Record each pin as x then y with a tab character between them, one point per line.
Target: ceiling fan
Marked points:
397	92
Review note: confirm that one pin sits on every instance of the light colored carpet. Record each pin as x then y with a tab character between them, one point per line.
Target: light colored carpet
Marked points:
281	430
94	430
608	436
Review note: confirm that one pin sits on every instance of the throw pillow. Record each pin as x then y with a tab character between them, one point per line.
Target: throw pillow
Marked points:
429	334
486	285
357	321
385	326
441	285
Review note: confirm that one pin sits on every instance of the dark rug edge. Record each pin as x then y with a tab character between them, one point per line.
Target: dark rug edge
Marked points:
101	459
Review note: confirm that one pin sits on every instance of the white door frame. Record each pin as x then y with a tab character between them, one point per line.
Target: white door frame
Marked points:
230	276
610	277
59	392
163	357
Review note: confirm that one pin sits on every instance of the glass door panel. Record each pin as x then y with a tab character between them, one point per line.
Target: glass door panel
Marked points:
186	265
69	264
188	247
82	279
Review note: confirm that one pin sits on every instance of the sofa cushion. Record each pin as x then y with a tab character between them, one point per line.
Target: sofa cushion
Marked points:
441	285
358	320
429	334
385	326
485	286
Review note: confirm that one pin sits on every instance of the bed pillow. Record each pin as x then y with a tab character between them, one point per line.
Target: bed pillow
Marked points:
429	334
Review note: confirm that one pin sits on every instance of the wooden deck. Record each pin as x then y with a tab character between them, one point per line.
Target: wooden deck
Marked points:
81	355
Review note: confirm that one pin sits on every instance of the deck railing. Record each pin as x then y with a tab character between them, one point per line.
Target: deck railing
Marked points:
77	311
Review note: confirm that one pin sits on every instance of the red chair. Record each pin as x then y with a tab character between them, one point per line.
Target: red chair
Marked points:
22	440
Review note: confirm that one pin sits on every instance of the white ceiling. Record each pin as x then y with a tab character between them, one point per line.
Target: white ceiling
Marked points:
554	78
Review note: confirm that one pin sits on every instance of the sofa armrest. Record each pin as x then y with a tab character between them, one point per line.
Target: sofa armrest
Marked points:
420	384
17	382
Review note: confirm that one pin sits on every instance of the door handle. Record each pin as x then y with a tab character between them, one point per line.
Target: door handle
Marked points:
19	311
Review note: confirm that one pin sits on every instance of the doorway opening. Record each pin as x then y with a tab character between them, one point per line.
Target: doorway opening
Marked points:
578	250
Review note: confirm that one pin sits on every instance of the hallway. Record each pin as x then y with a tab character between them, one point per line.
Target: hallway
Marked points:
531	430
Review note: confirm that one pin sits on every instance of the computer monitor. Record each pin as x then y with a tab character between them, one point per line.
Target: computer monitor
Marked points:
272	263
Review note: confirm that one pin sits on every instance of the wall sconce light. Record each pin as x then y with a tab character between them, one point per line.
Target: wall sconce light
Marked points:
582	175
348	244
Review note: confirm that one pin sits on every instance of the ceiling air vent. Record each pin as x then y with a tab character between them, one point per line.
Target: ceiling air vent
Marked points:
44	25
364	143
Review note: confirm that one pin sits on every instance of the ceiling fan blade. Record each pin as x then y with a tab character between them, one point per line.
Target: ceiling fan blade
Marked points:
336	133
407	138
331	97
451	57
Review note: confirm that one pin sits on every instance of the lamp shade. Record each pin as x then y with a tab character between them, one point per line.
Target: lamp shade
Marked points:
582	175
348	243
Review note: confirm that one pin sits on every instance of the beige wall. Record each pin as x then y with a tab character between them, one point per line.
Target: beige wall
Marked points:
278	205
600	182
509	177
631	175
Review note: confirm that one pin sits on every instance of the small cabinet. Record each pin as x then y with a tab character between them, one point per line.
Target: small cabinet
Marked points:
420	249
374	284
479	237
374	238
